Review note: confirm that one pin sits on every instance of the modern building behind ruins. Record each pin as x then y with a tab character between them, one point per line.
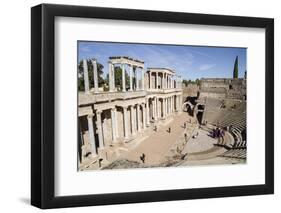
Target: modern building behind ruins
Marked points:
110	119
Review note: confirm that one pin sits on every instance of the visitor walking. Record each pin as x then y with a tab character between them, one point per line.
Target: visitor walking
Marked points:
185	137
155	128
142	158
169	129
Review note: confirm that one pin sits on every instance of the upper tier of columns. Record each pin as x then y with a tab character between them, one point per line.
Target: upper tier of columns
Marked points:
86	76
134	72
163	80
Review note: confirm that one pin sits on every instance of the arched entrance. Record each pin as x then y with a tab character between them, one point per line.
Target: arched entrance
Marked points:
199	112
188	107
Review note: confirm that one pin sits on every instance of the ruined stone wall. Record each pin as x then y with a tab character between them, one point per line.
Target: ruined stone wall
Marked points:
191	90
223	88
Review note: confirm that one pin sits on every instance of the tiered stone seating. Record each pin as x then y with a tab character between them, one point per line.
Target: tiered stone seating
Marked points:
235	153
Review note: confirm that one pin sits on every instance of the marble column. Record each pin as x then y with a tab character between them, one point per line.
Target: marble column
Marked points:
110	83
132	119
131	78
150	82
147	113
162	81
86	76
113	77
125	122
165	107
176	98
156	76
91	134
116	122
153	109
169	106
138	118
137	80
173	104
95	70
142	80
159	108
100	130
143	116
170	84
113	124
156	111
123	78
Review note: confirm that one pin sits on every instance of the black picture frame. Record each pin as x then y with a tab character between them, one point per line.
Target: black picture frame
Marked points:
43	102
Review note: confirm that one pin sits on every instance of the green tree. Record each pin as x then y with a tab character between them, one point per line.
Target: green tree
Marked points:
100	67
185	82
118	77
197	81
235	69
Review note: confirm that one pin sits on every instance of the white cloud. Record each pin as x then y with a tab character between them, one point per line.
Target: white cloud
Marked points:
204	67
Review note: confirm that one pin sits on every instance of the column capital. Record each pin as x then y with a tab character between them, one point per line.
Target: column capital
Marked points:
90	115
98	111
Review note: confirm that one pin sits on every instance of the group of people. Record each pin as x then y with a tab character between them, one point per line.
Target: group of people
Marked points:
218	133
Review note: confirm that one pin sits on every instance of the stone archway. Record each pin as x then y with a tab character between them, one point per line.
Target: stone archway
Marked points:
188	107
198	112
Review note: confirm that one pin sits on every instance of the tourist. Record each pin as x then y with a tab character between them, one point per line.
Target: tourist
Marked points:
217	131
155	128
169	130
184	124
185	137
195	135
142	157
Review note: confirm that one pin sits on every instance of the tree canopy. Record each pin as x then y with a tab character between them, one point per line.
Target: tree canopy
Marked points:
118	77
90	73
187	82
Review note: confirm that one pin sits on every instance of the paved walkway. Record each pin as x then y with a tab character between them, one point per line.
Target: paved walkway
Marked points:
158	145
201	143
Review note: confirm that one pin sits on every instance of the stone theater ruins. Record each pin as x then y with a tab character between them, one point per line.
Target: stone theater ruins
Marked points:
110	119
152	119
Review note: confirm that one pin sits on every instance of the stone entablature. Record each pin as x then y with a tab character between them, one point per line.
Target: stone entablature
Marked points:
85	99
126	60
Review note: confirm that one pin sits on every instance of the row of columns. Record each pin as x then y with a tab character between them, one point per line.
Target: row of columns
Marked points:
168	81
86	76
138	112
92	139
167	106
133	72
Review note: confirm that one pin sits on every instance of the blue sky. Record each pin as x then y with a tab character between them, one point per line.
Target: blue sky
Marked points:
190	62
